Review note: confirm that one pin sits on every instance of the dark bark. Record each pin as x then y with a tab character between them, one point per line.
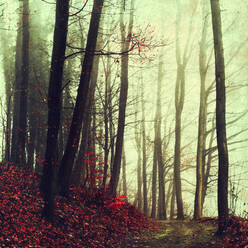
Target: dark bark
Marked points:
223	162
22	127
126	38
54	106
66	166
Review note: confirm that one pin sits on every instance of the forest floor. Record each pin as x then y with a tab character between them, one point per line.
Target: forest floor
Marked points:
180	234
89	219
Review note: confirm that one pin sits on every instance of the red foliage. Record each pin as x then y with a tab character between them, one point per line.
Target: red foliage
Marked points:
86	219
236	232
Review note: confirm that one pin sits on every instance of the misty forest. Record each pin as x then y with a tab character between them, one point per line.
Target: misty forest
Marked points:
123	123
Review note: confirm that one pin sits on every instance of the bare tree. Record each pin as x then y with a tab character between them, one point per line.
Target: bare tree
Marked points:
138	148
54	106
126	39
201	143
144	156
21	131
66	166
223	162
158	143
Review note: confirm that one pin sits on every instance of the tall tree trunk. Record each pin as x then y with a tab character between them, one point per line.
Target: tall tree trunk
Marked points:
179	101
8	68
78	168
54	106
126	38
124	176
172	204
145	210
154	174
161	188
182	61
137	135
201	144
67	162
209	162
169	194
92	147
21	131
107	123
8	128
16	99
220	117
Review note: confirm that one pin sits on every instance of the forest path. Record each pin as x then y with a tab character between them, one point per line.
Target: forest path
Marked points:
180	234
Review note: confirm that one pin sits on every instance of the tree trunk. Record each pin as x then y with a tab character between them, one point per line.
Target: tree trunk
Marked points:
161	188
16	99
8	68
78	168
172	204
154	174
21	131
54	106
137	135
182	61
144	151
8	128
107	123
124	176
66	166
209	163
169	194
220	117
201	144
122	103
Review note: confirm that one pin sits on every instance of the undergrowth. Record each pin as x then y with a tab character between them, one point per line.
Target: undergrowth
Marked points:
85	219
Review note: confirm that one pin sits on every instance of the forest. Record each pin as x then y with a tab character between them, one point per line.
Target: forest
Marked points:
123	123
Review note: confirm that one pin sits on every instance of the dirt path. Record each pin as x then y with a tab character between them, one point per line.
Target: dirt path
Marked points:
180	234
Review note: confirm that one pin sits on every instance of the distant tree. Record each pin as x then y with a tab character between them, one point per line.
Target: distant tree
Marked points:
137	135
144	148
107	112
154	174
22	124
201	143
179	102
158	143
8	72
223	162
16	95
124	175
